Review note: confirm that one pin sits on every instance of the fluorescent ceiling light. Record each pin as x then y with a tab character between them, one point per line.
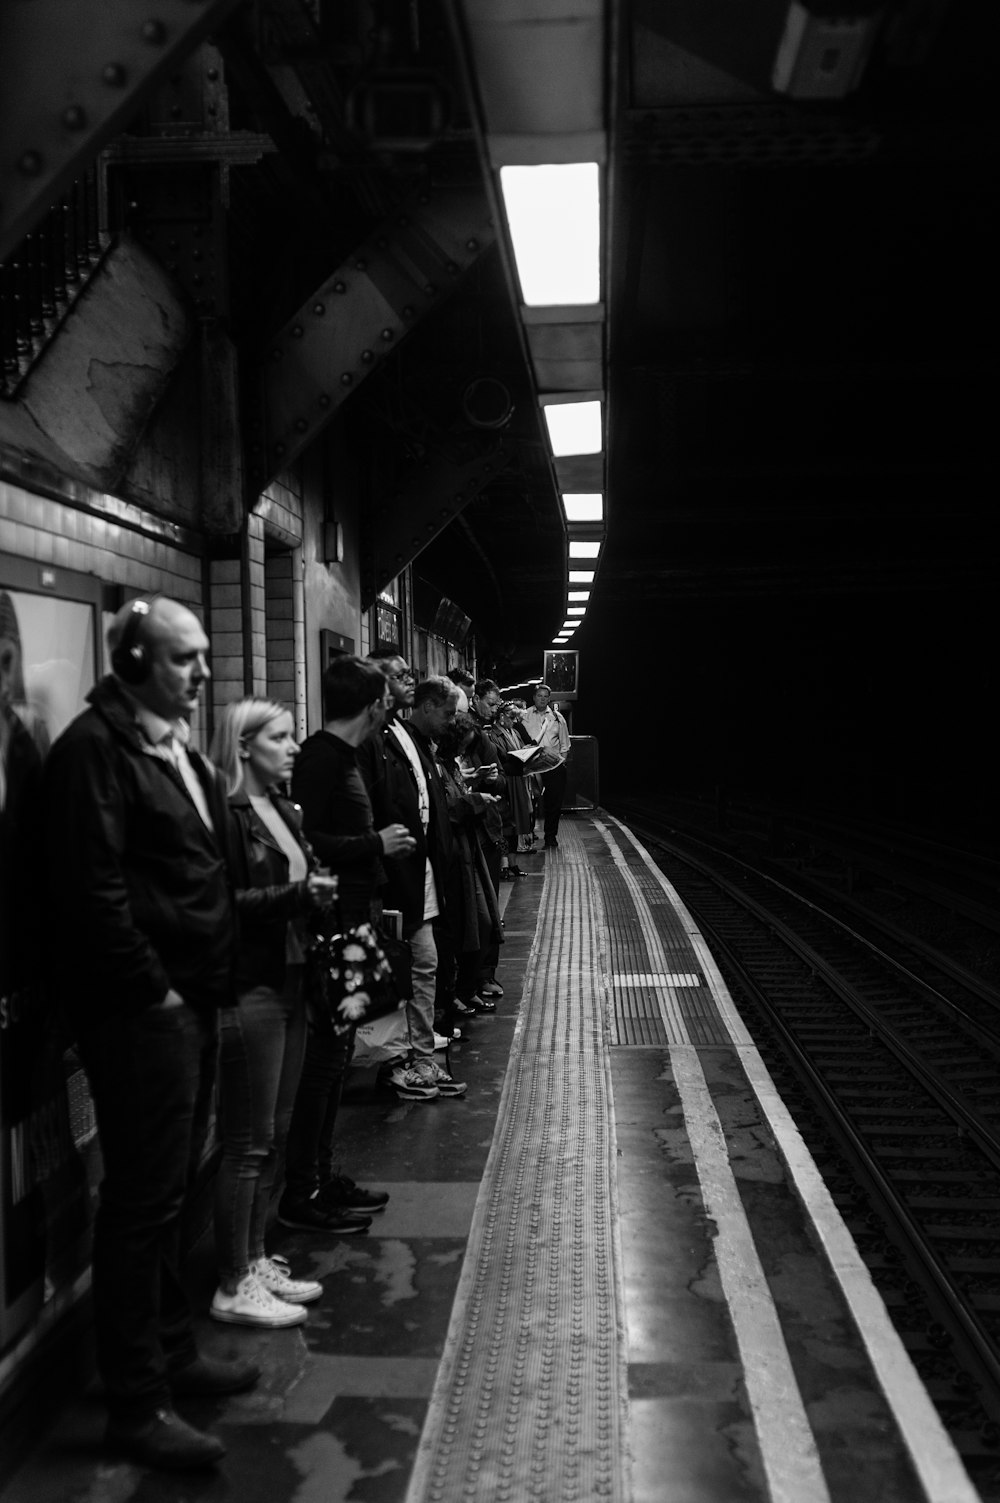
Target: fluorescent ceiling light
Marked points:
570	626
574	427
554	217
578	548
583	506
579	594
581	576
576	610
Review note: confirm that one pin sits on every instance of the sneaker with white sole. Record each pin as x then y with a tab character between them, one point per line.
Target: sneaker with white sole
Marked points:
253	1305
434	1074
274	1273
410	1085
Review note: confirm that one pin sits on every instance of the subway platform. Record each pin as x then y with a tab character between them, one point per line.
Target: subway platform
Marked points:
611	1271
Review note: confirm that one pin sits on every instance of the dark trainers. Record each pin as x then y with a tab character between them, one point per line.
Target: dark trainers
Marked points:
343	1194
316	1215
164	1440
212	1377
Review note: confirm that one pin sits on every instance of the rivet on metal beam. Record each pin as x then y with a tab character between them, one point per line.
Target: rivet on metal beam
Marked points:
407	312
399	558
30	163
319	309
446	511
386	334
74	117
297	331
279	449
430	289
275	354
154	32
346	379
367	357
301	425
340	286
360	264
451	268
324	399
432	527
114	75
472	245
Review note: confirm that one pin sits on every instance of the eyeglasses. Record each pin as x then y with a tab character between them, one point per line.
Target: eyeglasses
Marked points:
404	676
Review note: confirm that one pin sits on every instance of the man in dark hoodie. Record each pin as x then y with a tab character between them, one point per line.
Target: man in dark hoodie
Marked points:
143	943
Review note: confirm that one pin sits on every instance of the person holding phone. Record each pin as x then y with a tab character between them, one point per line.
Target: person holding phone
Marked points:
262	1038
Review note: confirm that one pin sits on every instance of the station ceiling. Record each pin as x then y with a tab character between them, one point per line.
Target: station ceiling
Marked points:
800	317
802	320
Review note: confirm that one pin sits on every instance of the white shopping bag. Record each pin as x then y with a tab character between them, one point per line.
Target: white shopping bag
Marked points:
383	1039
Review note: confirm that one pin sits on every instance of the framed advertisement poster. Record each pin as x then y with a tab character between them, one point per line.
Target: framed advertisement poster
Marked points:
561	673
49	644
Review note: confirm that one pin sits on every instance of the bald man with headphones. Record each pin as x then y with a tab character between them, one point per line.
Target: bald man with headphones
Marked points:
143	947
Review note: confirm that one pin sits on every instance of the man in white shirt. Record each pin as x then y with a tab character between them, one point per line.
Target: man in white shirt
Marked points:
546	726
404	786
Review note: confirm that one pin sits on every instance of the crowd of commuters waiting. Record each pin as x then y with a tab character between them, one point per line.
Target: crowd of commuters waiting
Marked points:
184	890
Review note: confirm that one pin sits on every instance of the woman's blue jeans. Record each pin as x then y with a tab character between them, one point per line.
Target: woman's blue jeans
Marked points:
261	1044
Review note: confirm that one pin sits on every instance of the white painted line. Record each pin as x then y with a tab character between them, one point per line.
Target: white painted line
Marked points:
938	1466
787	1444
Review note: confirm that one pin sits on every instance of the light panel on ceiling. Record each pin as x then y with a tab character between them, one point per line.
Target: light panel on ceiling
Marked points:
583	506
554	217
584	548
574	428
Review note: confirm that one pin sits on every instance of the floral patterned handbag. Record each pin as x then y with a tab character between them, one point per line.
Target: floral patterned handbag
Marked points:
355	976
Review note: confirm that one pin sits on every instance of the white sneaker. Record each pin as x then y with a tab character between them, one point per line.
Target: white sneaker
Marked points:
253	1305
274	1274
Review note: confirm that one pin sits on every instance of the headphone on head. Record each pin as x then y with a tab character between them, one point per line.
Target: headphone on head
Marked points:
129	658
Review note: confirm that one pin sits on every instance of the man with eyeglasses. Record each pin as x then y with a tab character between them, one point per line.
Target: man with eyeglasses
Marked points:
404	785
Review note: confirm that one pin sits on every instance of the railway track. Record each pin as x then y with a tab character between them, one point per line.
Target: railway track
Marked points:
891	1069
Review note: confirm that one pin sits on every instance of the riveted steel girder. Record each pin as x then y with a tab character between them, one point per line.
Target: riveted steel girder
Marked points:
70	78
404	523
359	314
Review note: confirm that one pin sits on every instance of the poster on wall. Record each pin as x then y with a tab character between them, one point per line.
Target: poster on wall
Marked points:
561	673
48	664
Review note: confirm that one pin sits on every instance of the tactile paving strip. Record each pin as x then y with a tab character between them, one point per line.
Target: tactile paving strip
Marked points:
530	1395
658	991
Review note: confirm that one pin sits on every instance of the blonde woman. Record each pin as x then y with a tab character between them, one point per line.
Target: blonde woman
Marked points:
261	1038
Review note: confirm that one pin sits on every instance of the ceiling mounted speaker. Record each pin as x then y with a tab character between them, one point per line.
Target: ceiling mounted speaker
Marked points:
486	403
